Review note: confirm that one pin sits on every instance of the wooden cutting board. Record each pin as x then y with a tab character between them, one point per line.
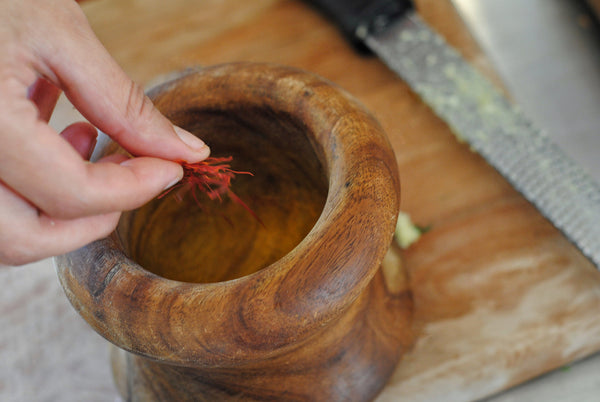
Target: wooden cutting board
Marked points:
500	295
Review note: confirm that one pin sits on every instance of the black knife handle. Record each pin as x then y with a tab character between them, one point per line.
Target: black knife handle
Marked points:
359	18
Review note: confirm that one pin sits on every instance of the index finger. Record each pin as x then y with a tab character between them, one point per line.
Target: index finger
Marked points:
106	96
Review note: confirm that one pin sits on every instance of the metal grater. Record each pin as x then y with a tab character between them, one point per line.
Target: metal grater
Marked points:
480	115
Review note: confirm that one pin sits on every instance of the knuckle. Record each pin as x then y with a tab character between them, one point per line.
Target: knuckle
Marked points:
67	208
89	192
72	204
138	107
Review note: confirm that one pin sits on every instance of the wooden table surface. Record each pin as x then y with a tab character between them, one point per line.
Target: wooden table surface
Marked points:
500	295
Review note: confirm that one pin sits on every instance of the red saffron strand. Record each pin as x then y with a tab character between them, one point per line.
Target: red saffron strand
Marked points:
211	176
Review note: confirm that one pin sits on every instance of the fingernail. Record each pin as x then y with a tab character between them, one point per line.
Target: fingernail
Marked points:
126	163
191	140
177	179
171	184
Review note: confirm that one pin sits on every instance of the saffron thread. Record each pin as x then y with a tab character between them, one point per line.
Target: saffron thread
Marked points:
211	176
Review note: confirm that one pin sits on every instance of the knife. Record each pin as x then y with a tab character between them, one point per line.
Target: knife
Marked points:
477	112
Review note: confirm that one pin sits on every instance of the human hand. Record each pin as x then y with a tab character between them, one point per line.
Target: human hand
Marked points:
52	200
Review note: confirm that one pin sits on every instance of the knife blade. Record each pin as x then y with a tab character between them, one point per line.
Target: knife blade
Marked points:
477	113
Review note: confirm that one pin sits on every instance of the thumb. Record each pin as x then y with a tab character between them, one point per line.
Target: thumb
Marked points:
110	100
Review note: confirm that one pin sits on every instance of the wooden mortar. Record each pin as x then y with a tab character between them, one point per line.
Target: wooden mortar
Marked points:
205	303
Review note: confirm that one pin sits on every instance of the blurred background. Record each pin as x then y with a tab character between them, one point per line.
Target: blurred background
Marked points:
547	52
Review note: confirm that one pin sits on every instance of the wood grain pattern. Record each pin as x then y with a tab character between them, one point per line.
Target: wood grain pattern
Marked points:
500	295
301	310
